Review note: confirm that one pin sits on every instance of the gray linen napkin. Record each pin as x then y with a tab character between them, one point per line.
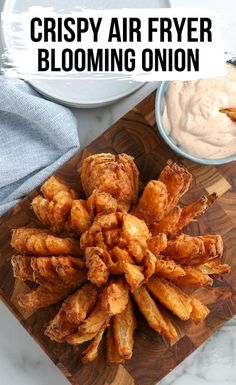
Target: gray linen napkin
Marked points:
36	137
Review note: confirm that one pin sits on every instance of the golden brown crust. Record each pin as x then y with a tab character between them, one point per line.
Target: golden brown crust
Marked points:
199	310
73	311
135	229
101	203
141	251
59	327
179	217
79	338
115	296
98	272
41	242
91	353
52	186
194	250
230	112
22	267
108	173
157	243
69	270
61	209
214	267
124	325
43	296
79	305
20	236
169	224
60	270
149	264
113	356
171	297
133	275
177	180
95	321
79	219
151	206
152	313
194	277
169	269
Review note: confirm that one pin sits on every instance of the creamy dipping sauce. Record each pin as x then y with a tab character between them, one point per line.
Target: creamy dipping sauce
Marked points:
191	115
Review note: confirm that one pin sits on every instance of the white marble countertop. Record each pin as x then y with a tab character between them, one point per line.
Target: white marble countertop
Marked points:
22	362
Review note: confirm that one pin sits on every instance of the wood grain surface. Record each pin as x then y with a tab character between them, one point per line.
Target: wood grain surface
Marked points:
153	358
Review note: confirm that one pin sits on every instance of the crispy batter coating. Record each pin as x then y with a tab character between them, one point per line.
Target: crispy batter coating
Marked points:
45	271
111	237
53	209
134	236
115	296
75	221
191	211
120	257
91	353
79	338
59	327
157	244
135	229
98	272
53	186
169	224
20	236
214	267
41	242
40	206
43	268
230	112
194	277
43	296
161	196
131	234
101	203
179	217
72	312
60	209
153	203
169	269
26	268
171	297
106	222
113	356
177	180
133	275
149	264
173	332
101	224
135	250
152	313
70	270
95	321
199	310
124	325
79	219
125	247
79	305
114	243
194	250
55	212
22	267
113	174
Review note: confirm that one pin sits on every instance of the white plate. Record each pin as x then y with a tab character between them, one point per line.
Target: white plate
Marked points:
80	92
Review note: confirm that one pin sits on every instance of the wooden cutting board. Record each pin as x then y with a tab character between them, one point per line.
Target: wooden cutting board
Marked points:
153	358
